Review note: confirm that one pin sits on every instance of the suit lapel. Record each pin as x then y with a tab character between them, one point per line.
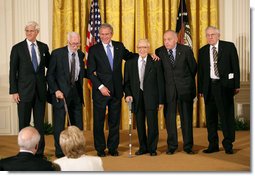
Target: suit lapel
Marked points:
136	71
165	55
177	55
116	57
66	61
104	55
148	66
41	54
207	58
27	54
219	51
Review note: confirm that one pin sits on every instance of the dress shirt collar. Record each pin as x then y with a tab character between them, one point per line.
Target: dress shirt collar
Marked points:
70	52
26	151
29	43
216	46
105	45
140	59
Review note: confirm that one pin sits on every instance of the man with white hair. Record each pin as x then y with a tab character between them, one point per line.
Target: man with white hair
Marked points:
27	79
65	78
25	160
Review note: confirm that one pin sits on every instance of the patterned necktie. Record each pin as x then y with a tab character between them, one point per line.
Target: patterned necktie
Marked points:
34	57
215	61
142	71
73	69
109	55
171	56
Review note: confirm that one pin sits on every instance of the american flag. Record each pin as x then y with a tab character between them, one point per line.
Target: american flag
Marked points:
182	26
93	28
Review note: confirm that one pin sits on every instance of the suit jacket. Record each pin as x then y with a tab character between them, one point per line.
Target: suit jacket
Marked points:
58	74
83	163
228	67
22	77
181	76
25	161
153	85
99	69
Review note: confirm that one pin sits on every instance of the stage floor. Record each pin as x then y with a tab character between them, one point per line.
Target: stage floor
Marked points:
180	161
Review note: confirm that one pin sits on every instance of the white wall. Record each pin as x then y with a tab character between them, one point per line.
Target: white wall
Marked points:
14	14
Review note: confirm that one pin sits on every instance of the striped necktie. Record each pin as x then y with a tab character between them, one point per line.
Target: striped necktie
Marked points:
171	56
215	61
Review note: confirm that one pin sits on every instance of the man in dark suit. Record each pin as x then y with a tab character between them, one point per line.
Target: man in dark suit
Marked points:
179	67
218	82
28	82
25	160
144	86
105	72
65	78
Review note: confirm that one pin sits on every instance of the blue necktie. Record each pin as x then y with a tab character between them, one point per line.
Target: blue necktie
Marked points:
109	55
34	57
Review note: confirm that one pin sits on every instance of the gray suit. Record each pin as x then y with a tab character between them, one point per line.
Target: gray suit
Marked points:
180	90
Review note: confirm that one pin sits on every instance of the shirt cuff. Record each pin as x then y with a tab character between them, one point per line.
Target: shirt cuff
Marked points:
101	86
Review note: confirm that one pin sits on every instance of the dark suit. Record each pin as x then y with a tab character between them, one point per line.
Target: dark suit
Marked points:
218	96
58	77
145	102
99	72
25	161
30	85
180	90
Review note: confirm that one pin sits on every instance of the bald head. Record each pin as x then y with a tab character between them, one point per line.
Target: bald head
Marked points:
28	139
170	39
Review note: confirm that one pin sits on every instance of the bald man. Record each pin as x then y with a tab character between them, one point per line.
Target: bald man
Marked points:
179	67
25	160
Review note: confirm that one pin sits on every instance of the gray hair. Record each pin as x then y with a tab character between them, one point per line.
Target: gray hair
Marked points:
145	41
71	35
28	138
214	28
106	25
172	31
34	24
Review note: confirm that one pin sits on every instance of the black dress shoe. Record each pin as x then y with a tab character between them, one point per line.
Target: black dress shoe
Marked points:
101	154
140	152
170	151
211	150
189	151
229	151
153	153
114	153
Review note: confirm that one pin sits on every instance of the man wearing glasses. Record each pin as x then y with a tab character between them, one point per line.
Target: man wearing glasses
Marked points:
218	83
65	78
28	82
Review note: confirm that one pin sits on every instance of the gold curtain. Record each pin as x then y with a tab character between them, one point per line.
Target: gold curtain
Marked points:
131	21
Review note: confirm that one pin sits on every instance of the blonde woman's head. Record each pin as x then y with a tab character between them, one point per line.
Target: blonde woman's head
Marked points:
72	142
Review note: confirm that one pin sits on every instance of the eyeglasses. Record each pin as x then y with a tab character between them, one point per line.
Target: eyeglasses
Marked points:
74	44
211	35
28	31
142	47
